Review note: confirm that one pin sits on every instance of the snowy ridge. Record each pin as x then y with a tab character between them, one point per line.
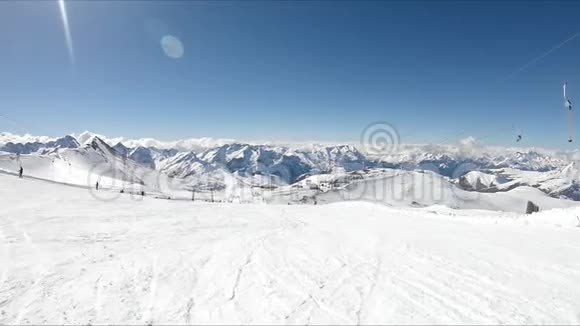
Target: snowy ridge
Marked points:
40	147
560	182
473	168
287	164
184	165
480	181
192	144
406	152
452	161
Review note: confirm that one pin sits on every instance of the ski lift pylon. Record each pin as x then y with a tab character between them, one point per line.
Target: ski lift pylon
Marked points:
568	107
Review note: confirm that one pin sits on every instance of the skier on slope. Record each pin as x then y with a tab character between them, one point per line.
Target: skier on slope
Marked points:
20	172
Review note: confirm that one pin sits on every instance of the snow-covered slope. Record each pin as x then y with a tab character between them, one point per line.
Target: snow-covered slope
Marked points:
559	183
564	182
95	162
69	258
484	182
426	188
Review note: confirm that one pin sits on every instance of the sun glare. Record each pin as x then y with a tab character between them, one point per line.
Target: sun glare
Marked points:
66	27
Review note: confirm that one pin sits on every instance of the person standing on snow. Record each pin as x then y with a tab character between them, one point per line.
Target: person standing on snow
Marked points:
20	172
97	186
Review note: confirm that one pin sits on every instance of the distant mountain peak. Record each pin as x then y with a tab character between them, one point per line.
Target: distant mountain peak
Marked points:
121	149
67	141
98	144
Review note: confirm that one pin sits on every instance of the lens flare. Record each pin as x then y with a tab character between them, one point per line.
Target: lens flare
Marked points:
172	46
65	24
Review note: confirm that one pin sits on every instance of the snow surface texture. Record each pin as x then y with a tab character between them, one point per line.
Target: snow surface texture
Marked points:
69	258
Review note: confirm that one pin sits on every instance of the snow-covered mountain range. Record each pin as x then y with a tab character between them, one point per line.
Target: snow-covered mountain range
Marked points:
472	168
285	163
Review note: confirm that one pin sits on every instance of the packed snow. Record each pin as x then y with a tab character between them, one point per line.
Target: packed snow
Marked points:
70	258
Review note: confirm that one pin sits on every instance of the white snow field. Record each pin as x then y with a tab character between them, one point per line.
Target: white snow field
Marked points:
426	188
69	258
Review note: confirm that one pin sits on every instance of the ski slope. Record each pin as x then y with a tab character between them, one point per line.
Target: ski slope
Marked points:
68	258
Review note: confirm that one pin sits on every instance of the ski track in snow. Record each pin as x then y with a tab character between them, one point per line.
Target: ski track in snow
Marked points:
71	259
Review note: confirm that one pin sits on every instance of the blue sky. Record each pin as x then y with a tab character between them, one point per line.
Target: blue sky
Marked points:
282	70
